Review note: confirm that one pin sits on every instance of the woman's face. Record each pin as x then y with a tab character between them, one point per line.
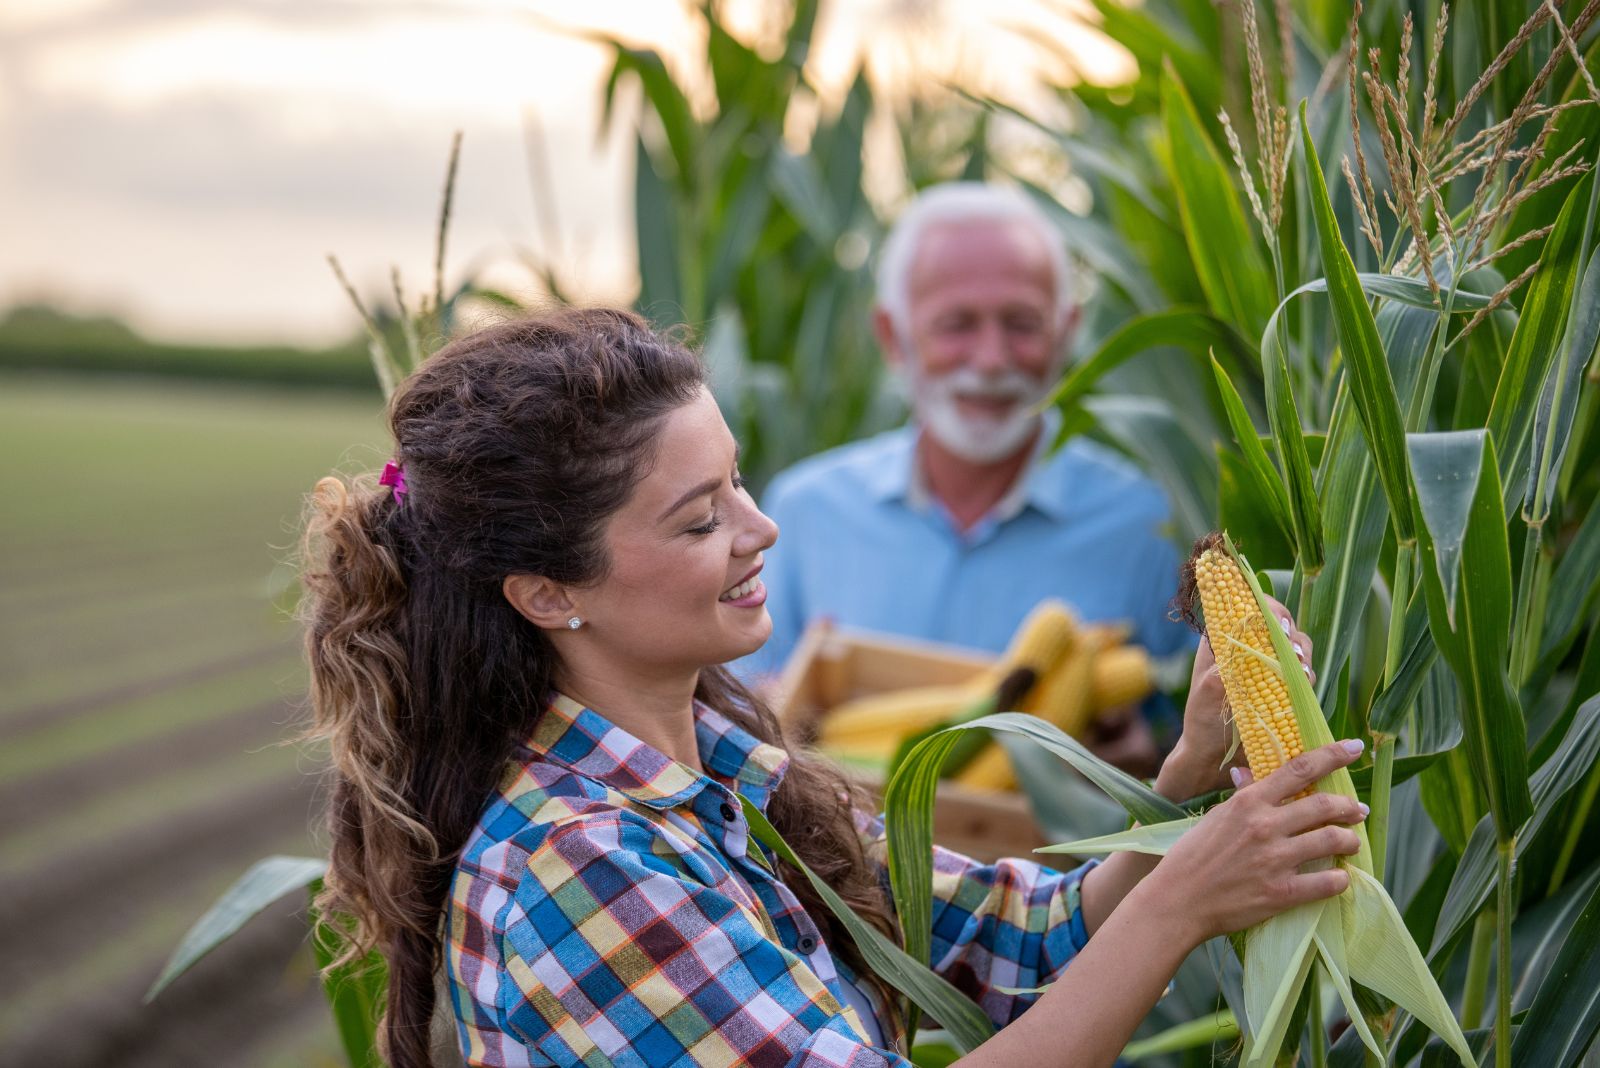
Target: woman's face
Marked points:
682	591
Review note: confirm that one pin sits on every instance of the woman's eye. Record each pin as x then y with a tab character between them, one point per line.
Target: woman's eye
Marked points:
708	527
739	482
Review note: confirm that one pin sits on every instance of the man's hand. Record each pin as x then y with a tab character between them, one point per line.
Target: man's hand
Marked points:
1198	764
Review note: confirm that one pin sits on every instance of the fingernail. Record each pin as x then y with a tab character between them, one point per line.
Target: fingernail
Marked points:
1283	621
1297	650
1353	745
1237	775
1307	669
1364	809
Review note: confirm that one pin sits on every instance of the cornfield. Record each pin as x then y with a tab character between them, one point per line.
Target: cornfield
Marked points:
1366	239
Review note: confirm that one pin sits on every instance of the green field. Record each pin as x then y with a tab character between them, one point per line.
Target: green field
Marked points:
151	673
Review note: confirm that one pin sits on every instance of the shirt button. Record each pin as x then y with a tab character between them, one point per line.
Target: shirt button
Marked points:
727	811
807	944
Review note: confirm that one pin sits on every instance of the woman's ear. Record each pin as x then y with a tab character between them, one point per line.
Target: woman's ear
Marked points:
540	601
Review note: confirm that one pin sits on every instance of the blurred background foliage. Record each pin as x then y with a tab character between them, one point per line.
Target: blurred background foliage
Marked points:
151	652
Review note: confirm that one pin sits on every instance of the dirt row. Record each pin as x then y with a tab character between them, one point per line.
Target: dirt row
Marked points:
92	898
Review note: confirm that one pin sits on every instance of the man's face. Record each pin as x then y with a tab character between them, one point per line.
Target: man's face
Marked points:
985	339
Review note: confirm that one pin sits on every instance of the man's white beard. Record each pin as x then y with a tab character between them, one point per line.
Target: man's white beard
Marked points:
978	439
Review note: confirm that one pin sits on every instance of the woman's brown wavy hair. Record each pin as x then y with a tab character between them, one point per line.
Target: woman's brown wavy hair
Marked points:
518	443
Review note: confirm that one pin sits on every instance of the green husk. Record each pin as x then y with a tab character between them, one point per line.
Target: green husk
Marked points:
1154	839
1357	937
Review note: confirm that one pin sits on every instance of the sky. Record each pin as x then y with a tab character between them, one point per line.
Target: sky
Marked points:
189	164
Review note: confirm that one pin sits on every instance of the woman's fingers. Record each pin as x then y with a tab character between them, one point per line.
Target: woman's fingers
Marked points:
1299	640
1307	769
1322	843
1320	809
1307	887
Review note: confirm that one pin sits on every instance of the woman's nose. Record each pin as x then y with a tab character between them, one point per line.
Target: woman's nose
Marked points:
760	533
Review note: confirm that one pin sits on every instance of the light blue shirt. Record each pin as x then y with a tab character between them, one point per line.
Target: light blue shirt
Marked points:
862	542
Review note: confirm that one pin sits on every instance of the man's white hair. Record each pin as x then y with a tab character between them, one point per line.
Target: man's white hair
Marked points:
963	202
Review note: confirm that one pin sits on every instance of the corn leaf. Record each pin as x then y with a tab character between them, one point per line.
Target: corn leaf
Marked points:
669	105
1154	839
1242	509
1232	270
1330	943
1412	291
1474	876
1215	1027
1284	418
1372	386
1194	329
354	990
908	806
1150	430
1536	340
660	282
1278	955
265	882
1552	920
908	822
1264	480
1470	622
1383	957
1358	512
1104	250
1558	403
929	991
1416	659
1446	467
1572	591
1091	157
798	184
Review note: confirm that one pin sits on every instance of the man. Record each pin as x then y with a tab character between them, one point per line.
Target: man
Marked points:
953	527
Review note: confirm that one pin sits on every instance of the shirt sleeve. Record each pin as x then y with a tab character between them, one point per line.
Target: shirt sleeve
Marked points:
1013	924
617	953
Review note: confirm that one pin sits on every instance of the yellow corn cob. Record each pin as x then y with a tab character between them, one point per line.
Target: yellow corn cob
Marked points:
893	714
1041	643
1262	711
1041	640
1062	696
1097	674
1121	676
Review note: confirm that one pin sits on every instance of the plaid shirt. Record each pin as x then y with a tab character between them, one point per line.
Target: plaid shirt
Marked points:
611	908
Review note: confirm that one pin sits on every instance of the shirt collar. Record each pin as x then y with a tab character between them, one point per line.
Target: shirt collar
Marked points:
598	749
898	476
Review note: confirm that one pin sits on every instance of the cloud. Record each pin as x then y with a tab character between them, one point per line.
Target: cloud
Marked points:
206	207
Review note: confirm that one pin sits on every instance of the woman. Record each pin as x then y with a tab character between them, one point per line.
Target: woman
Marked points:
516	639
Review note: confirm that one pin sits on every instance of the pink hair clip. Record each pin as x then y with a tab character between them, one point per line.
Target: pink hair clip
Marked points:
395	477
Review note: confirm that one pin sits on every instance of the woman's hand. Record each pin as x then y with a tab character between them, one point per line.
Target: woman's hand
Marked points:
1199	762
1241	863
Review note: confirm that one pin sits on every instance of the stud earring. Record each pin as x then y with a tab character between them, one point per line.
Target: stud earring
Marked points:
574	623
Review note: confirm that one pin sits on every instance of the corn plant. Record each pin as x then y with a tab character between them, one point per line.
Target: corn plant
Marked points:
1418	341
759	246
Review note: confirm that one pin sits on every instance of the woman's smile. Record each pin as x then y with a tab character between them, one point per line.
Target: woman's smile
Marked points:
749	593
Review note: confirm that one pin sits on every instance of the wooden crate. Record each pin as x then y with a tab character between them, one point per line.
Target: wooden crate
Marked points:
834	664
